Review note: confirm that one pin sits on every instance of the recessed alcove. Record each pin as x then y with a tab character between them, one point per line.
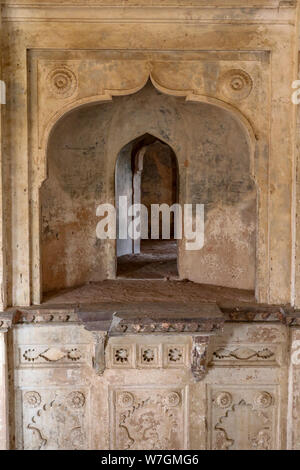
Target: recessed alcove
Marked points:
213	167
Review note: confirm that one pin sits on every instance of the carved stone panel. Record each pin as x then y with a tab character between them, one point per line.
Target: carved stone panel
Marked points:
243	418
54	420
148	418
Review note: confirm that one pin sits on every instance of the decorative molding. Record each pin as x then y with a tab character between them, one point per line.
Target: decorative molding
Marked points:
243	353
42	315
169	12
51	354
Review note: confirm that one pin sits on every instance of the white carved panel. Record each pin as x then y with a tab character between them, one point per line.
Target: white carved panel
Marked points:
243	418
53	356
55	419
140	352
148	418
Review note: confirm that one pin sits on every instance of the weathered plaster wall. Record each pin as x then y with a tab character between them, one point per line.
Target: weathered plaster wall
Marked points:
214	169
269	32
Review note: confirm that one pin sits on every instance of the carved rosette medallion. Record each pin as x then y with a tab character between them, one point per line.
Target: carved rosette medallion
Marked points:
76	400
223	399
125	399
236	84
173	399
62	82
32	399
263	400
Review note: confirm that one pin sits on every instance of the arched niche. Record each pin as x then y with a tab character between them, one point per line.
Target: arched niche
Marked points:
82	152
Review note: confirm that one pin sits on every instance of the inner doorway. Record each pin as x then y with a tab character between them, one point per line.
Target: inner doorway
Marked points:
147	174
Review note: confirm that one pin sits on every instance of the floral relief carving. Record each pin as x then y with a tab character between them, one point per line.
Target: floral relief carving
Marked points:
236	84
263	400
175	354
32	399
223	399
126	399
149	420
148	355
52	354
243	354
76	399
121	355
58	424
62	82
262	441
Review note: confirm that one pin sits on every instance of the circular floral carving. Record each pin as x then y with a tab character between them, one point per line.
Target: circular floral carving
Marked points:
76	399
263	400
236	84
148	355
174	354
126	399
121	355
62	82
224	399
173	399
32	399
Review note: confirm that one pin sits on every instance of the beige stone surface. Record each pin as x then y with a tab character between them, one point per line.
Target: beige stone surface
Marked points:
147	398
213	80
267	113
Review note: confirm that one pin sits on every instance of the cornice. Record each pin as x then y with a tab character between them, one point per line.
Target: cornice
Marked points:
245	4
157	11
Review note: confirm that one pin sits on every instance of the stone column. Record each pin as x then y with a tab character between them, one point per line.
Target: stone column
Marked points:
2	251
5	323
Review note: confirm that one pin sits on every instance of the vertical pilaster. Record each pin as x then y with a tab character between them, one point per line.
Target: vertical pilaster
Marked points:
5	323
2	241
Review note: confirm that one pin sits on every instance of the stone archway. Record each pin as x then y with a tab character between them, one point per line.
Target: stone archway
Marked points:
146	175
199	133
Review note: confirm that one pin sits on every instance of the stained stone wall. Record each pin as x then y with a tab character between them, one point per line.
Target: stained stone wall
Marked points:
73	73
214	170
245	65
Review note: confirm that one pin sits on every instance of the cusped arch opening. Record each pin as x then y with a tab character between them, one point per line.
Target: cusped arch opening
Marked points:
214	162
